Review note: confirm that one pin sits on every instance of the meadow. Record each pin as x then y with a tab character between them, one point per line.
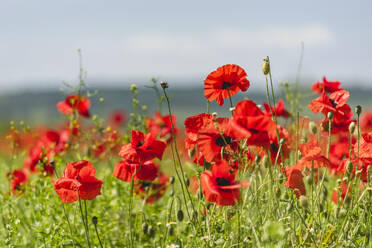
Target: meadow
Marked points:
292	171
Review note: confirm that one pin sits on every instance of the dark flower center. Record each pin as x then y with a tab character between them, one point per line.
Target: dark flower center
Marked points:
221	142
140	143
222	181
274	148
334	103
252	130
226	85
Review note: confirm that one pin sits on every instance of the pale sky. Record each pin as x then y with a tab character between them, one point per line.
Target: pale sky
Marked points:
181	41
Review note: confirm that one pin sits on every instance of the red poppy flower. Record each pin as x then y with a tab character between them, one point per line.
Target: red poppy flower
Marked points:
142	147
344	190
117	118
211	141
365	145
295	180
327	86
39	155
18	180
78	181
161	125
72	103
312	156
366	121
279	109
56	141
250	122
274	146
125	170
193	125
219	185
226	80
335	103
152	191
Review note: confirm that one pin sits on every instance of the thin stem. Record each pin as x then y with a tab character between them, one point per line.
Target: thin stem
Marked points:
99	239
329	137
85	224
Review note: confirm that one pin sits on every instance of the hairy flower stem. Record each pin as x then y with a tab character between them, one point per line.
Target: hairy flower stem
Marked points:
176	154
329	137
130	208
99	239
85	224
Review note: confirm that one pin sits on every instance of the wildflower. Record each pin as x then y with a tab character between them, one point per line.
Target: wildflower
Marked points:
326	86
125	170
219	185
72	103
250	122
142	147
18	180
193	125
365	145
78	180
162	126
366	121
225	82
279	109
335	103
312	156
152	191
295	180
117	118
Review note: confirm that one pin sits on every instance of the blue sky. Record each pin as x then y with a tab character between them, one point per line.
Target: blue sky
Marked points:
180	41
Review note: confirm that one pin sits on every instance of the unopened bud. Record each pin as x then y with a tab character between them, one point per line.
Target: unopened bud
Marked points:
151	231
191	152
145	228
349	167
266	66
358	110
352	127
312	127
95	220
214	114
281	141
180	215
172	179
330	115
304	202
163	84
257	158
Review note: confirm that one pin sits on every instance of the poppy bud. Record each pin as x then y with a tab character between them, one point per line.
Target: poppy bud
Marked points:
358	110
133	87
151	231
352	127
281	141
349	167
170	230
191	152
180	215
187	182
257	158
95	220
304	203
312	127
172	179
214	114
309	180
330	115
232	109
145	228
342	213
163	84
266	66
172	193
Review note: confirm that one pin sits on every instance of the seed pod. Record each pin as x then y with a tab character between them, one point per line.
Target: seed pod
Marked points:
257	158
304	203
180	215
358	110
145	228
95	220
330	115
